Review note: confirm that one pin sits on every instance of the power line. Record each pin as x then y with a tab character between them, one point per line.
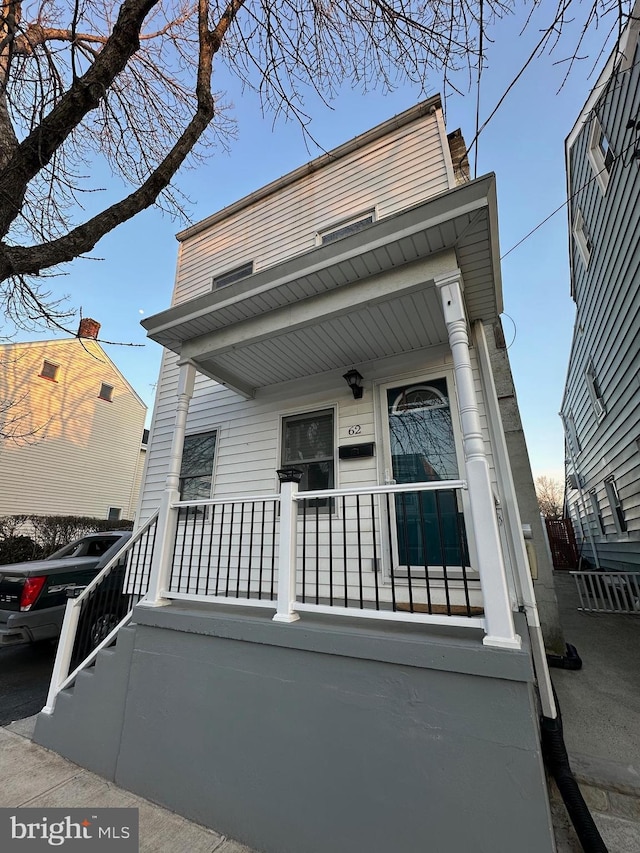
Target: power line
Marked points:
570	199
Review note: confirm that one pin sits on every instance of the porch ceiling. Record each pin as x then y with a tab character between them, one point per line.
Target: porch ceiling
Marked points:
365	297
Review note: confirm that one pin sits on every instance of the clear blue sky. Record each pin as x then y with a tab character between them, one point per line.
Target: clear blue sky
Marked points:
523	145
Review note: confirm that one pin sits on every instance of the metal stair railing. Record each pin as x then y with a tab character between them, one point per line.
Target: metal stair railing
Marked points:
93	618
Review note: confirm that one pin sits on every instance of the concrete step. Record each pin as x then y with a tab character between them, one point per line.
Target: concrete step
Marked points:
612	793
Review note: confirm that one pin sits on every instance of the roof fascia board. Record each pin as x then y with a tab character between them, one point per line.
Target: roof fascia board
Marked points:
378	132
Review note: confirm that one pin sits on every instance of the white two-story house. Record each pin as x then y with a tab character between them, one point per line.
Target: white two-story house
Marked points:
338	646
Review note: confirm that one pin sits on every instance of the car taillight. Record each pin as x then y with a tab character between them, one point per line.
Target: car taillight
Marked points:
30	591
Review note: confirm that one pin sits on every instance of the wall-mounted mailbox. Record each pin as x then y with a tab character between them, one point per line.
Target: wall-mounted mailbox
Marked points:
356	451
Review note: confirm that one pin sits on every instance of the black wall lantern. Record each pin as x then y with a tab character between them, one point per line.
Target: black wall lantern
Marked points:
354	381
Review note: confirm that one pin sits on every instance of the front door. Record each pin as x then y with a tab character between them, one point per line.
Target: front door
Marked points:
428	525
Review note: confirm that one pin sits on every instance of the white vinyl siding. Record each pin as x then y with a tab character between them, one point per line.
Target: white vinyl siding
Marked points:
248	451
402	169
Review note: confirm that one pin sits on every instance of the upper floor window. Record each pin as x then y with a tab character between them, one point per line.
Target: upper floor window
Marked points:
615	503
106	392
196	471
595	393
50	370
230	276
601	154
346	228
582	238
308	444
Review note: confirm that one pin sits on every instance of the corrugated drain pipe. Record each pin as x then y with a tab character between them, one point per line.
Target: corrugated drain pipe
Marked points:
554	753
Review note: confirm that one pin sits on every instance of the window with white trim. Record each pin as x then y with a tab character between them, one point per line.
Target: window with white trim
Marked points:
346	227
571	433
600	153
619	521
595	393
581	237
308	444
196	471
114	513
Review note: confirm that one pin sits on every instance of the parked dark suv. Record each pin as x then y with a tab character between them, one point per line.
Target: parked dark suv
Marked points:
33	594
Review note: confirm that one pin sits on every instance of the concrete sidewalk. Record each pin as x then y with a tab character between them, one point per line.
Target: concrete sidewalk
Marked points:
34	776
600	707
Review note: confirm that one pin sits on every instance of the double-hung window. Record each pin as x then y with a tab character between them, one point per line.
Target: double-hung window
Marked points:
196	472
582	238
595	392
601	154
308	444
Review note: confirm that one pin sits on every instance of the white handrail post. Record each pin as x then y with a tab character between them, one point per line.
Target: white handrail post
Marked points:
500	630
160	572
287	545
64	652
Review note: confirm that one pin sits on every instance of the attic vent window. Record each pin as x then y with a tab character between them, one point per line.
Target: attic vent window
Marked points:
106	392
50	371
232	275
601	154
345	229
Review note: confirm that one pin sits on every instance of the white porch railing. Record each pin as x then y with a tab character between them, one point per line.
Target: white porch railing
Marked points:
396	552
92	620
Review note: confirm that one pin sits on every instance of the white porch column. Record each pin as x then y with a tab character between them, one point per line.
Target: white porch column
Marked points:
289	480
499	618
168	517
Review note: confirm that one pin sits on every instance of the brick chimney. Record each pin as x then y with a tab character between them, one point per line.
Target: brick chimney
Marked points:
88	328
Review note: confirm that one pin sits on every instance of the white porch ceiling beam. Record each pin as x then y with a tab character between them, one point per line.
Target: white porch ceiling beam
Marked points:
225	377
307	312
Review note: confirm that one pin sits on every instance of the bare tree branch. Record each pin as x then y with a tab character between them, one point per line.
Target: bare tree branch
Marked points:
130	81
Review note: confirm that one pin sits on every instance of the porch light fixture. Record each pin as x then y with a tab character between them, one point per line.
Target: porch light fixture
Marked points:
354	381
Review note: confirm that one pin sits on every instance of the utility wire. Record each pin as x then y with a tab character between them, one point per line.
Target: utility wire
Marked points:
569	200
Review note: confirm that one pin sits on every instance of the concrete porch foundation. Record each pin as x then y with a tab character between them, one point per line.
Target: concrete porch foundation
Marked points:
323	735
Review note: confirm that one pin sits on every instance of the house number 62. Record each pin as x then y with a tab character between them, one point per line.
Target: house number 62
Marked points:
356	429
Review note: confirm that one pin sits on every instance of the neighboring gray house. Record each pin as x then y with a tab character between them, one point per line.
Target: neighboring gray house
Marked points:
353	661
601	404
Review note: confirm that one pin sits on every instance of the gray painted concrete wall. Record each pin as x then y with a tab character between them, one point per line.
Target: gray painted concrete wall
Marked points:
328	736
